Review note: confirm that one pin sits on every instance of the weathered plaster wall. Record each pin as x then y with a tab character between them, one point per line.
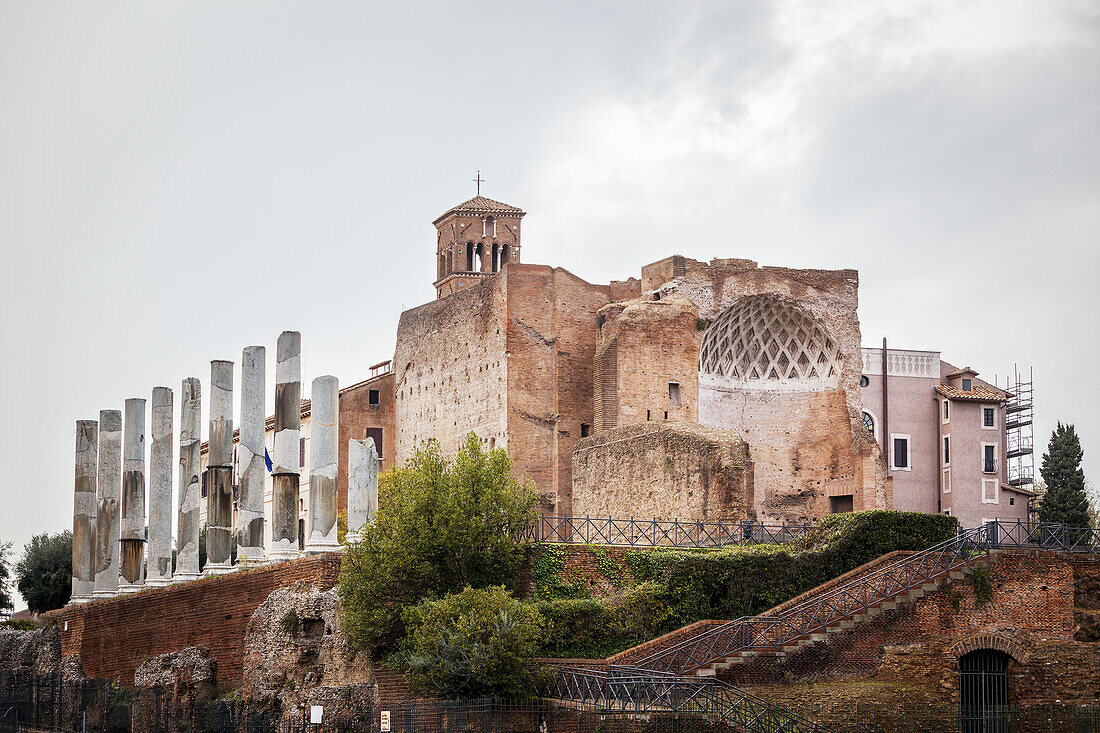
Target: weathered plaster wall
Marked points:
665	470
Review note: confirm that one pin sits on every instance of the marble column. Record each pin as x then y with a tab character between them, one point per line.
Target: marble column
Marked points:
286	462
133	498
250	458
187	523
324	451
362	486
159	558
84	511
219	471
109	487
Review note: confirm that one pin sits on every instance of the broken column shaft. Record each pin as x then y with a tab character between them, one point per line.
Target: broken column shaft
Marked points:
324	448
286	459
84	511
187	527
109	488
159	560
133	498
362	486
250	458
219	471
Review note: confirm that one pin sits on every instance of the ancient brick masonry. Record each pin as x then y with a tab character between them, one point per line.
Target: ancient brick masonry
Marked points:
114	636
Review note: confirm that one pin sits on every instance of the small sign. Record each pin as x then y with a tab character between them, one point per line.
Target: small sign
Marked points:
385	721
315	713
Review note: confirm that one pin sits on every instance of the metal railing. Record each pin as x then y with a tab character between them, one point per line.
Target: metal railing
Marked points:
754	633
1042	535
662	532
625	688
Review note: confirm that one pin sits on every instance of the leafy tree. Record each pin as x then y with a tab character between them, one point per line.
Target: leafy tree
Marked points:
442	524
477	643
5	576
45	573
1065	499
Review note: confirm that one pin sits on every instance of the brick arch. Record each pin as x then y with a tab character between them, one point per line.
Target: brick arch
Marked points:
987	641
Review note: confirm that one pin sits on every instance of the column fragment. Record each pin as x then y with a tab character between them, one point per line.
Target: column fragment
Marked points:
159	560
187	524
362	486
109	488
133	498
324	448
250	457
219	471
287	458
84	511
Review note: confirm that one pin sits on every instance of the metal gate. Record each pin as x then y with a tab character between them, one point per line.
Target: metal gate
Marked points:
983	692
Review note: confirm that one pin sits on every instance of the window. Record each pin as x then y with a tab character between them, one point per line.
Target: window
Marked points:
372	397
947	450
496	257
301	534
947	512
1011	500
989	490
989	458
488	227
376	434
840	504
674	394
864	381
946	411
967	384
301	452
900	452
469	257
203	490
869	423
648	416
947	480
586	430
989	417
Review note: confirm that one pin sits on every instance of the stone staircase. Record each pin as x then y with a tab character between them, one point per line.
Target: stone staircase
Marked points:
703	648
840	625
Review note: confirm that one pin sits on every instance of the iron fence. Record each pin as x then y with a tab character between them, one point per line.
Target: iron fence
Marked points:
1042	535
661	532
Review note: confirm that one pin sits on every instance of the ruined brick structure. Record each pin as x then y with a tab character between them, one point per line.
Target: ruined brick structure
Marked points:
536	360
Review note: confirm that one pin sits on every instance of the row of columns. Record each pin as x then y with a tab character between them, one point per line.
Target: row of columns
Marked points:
114	551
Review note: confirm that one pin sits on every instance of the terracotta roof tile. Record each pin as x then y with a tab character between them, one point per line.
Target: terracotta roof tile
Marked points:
960	372
979	392
482	205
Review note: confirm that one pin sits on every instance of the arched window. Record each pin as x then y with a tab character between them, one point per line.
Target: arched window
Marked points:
504	253
449	266
469	257
441	268
479	258
488	227
496	257
869	423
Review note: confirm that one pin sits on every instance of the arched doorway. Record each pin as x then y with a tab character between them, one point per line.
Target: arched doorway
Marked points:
983	691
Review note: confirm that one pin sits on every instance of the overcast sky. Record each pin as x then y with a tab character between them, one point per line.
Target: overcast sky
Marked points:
181	180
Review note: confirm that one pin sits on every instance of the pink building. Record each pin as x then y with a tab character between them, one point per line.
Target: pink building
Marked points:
943	434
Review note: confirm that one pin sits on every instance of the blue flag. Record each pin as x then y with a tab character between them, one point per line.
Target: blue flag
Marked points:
267	460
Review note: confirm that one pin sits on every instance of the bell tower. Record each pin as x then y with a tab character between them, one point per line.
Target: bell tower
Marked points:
473	240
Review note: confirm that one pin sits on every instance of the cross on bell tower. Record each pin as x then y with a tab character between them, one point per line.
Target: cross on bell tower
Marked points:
479	180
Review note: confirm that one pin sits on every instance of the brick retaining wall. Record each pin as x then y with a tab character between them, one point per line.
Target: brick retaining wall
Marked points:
115	635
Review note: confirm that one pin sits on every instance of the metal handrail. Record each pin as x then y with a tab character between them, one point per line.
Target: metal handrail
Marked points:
817	613
661	532
642	690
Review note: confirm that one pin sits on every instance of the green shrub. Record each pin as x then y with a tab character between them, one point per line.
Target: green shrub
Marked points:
679	587
477	643
443	524
19	624
983	585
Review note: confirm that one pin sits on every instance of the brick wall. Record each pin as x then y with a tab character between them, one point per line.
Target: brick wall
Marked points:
917	645
356	415
113	636
663	469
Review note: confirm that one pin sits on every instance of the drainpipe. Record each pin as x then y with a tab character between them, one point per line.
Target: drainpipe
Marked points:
885	411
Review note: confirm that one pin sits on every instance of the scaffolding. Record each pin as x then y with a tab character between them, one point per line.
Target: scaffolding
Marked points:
1020	431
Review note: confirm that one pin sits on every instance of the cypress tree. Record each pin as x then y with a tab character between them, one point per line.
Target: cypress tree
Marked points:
1065	499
